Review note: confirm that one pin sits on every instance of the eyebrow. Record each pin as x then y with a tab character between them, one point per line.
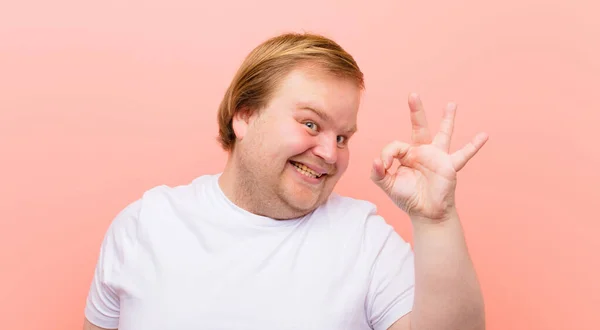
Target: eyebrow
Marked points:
325	117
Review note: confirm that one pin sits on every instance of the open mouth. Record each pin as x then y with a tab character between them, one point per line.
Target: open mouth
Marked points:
303	169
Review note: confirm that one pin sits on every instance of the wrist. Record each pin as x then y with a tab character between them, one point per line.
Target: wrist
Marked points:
448	216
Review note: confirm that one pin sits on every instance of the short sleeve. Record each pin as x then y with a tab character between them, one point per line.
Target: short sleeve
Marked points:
117	250
391	289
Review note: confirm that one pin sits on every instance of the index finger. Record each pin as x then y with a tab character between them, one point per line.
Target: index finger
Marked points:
395	149
420	128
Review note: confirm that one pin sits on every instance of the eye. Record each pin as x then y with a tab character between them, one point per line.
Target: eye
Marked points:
311	125
341	140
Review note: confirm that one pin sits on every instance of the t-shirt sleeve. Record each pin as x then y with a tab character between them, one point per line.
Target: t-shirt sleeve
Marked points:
118	247
391	288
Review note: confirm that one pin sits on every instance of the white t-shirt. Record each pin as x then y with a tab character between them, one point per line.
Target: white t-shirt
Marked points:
186	257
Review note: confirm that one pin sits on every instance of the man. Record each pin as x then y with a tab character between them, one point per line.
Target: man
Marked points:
266	244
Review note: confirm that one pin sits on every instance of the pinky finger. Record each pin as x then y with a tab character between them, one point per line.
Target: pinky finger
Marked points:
462	156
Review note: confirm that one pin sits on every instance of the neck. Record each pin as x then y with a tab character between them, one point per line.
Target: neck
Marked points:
233	187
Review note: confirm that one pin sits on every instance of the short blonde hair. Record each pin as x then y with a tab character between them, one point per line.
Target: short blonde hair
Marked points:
263	69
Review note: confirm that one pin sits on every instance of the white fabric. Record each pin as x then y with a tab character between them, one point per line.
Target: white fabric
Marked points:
187	258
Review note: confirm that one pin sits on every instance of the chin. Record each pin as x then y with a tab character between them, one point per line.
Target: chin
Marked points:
304	203
300	196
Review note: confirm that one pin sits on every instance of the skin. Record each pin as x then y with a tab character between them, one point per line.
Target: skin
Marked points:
447	292
88	326
310	119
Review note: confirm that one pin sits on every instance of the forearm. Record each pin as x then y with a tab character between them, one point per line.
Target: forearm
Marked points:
447	292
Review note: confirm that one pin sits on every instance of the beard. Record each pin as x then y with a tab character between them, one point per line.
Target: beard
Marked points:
266	190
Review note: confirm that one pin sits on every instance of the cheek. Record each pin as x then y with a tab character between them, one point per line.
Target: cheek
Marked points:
294	140
343	160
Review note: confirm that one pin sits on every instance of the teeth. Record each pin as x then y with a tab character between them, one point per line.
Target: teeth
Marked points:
305	170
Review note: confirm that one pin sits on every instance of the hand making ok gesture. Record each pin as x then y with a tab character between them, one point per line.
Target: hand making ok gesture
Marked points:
424	182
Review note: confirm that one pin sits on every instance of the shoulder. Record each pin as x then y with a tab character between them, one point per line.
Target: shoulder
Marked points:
347	211
338	205
153	203
181	193
165	199
356	217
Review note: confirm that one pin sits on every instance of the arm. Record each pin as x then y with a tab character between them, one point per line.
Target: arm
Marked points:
447	293
447	290
88	326
117	253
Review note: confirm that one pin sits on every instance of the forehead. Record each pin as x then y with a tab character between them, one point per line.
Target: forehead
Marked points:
310	88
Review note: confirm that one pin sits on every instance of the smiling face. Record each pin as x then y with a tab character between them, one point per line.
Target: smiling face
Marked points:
290	154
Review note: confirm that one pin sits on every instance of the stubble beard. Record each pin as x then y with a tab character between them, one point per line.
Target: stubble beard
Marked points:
265	195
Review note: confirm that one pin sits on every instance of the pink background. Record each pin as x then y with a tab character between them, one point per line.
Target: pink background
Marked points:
102	100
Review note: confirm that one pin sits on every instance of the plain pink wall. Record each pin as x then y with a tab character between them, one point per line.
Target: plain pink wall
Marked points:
102	100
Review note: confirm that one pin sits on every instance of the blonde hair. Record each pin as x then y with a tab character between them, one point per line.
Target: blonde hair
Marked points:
263	69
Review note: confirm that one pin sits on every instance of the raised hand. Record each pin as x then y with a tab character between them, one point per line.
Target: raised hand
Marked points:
423	184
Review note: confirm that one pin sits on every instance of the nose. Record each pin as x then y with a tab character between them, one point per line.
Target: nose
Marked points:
327	148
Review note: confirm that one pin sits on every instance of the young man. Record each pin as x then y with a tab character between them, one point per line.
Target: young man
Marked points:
266	244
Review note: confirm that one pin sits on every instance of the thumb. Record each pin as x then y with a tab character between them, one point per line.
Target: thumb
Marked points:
379	175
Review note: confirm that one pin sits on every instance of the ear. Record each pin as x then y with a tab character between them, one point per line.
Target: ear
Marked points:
241	121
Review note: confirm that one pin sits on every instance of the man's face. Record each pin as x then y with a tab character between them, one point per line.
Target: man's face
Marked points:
294	151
